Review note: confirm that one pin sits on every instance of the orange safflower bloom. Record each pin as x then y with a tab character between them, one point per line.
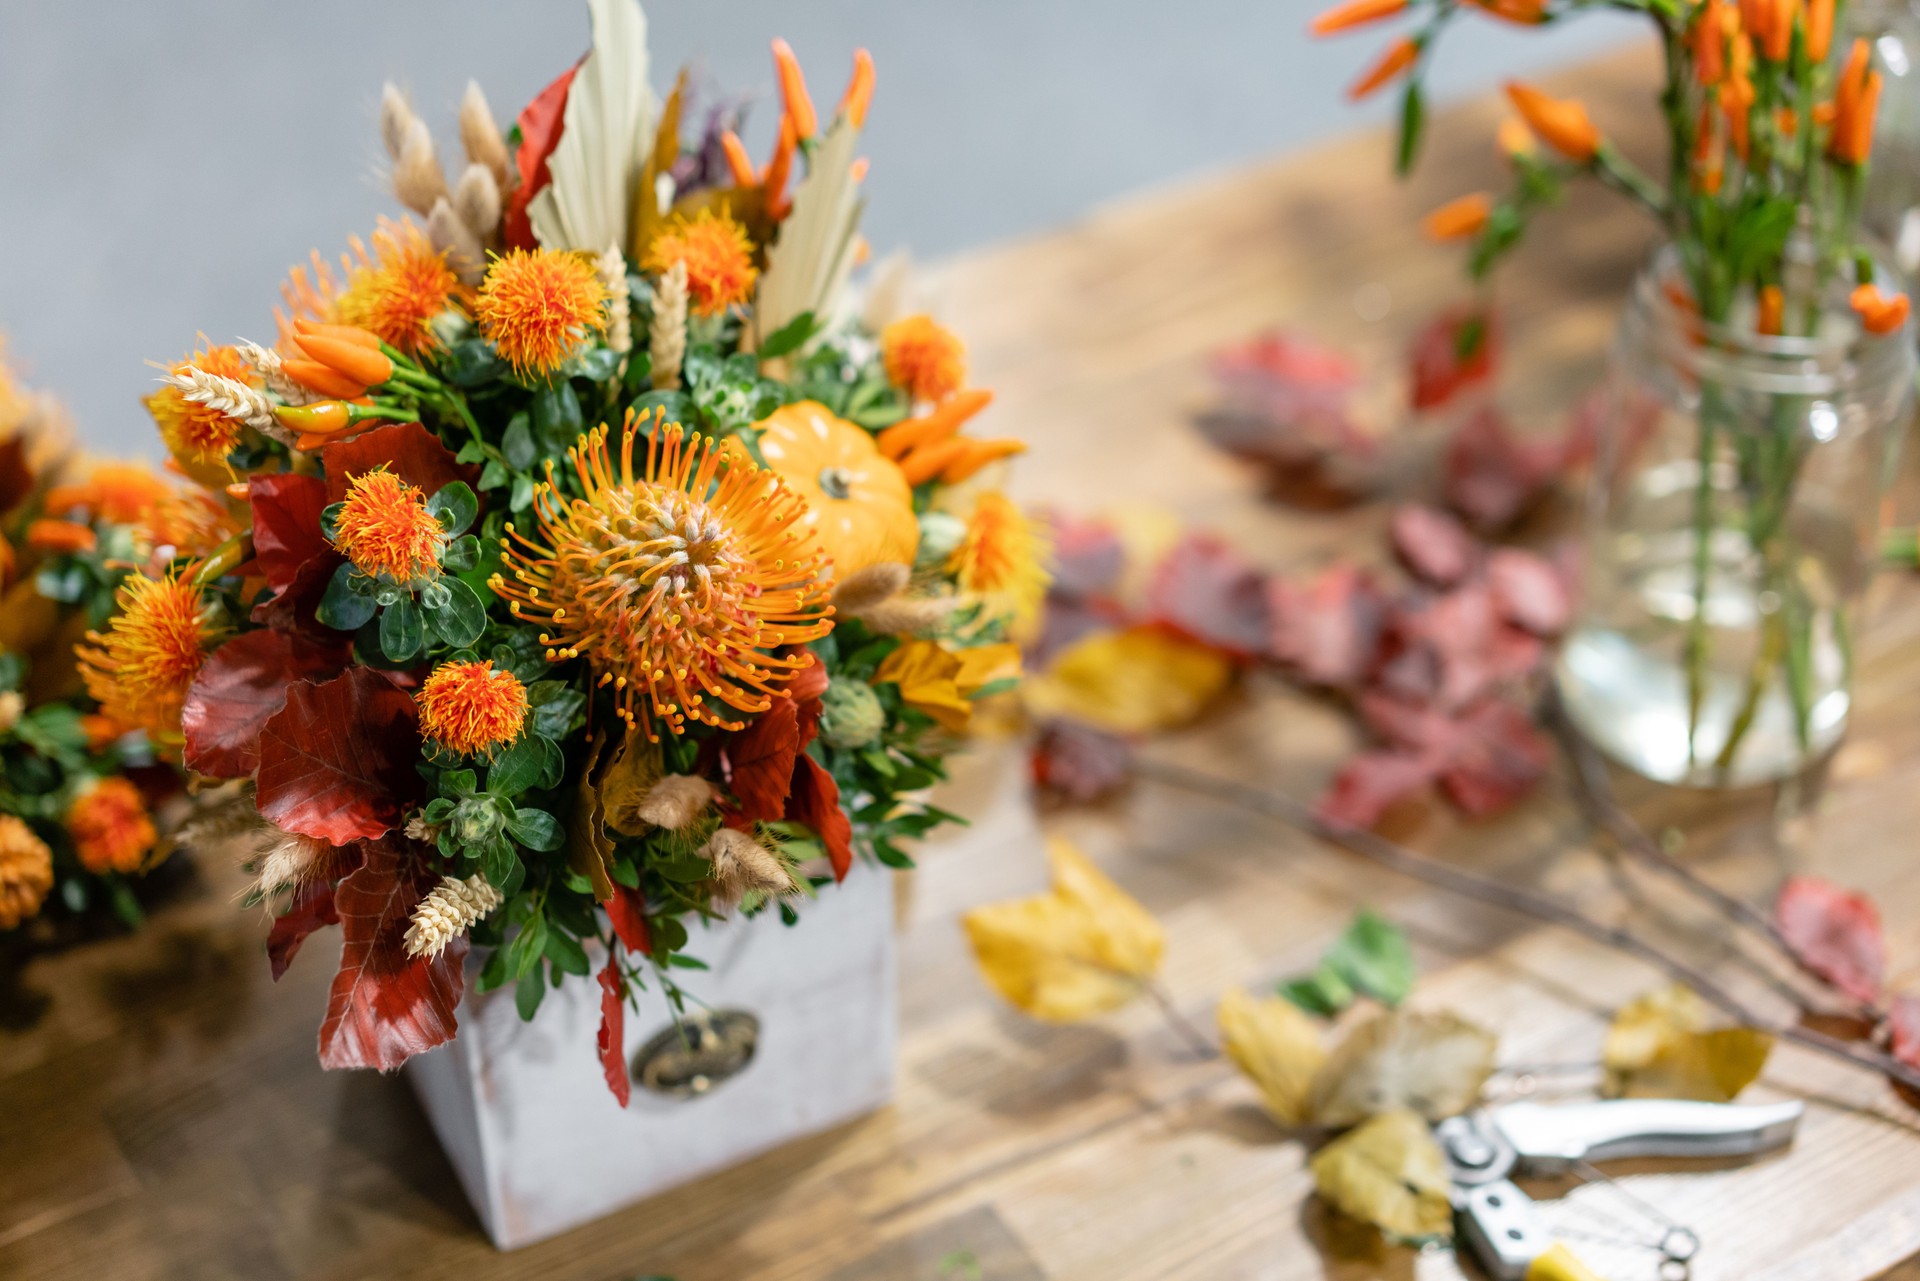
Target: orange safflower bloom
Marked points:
719	258
773	179
1003	557
1561	122
1880	313
61	536
26	872
1459	219
139	669
110	826
1355	13
1819	29
1772	317
1856	100
687	586
120	493
470	707
1399	55
396	290
923	358
197	433
1736	95
384	527
101	730
537	306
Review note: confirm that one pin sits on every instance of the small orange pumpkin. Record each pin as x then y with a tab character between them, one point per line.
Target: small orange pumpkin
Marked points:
859	504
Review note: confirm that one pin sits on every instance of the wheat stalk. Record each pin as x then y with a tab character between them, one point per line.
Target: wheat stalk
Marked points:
447	912
613	274
265	361
667	335
227	396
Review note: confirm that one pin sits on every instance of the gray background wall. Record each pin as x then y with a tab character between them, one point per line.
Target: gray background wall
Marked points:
162	162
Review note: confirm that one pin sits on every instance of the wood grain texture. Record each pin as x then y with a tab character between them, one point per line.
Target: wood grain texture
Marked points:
164	1116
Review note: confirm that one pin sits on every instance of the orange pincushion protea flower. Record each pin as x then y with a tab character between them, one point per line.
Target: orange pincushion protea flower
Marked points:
674	584
396	291
719	258
536	306
140	667
110	826
384	527
470	707
26	872
1002	556
198	433
923	358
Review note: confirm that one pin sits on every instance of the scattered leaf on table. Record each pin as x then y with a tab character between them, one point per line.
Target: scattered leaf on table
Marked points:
1834	933
1492	476
1321	992
1081	949
1327	629
1088	557
1390	1173
1208	592
1659	1046
1452	352
1285	404
1370	784
1371	956
1529	591
1431	1062
1136	681
1432	544
1080	762
1486	757
1276	1046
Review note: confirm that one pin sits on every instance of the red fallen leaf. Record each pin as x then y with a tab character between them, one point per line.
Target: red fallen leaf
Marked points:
337	762
286	524
1834	933
1371	784
239	688
628	912
1484	759
312	909
1079	762
1455	350
1088	558
1432	545
1285	403
613	1031
760	761
409	450
815	802
385	1006
1493	477
1443	647
1903	1029
1529	592
1205	590
539	123
1327	630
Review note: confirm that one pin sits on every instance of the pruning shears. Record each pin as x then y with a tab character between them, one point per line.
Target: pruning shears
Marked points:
1502	1227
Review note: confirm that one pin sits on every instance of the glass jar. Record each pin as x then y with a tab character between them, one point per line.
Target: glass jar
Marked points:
1733	523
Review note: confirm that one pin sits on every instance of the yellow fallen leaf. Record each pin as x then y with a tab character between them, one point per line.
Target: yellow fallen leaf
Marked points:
1136	681
1429	1062
1660	1046
1276	1045
941	683
1081	949
1390	1173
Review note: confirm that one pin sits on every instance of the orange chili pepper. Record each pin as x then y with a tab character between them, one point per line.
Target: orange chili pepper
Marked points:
737	159
929	460
1459	219
368	368
343	333
1856	99
857	171
317	377
1355	13
1773	310
859	95
793	90
1524	13
323	418
938	423
1710	42
1880	313
978	454
1819	29
773	182
61	536
1515	139
1400	55
1562	122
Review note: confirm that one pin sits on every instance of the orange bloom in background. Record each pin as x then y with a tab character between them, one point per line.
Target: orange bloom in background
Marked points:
1856	100
1399	55
120	493
1880	313
101	730
193	431
384	527
1772	315
61	536
1355	13
683	585
140	667
537	306
470	707
923	358
719	258
1562	123
1003	557
1459	219
26	872
191	522
396	290
110	826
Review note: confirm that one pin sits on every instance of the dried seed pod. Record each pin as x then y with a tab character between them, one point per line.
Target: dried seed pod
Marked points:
481	137
396	120
417	179
675	802
867	587
447	912
742	865
451	236
476	198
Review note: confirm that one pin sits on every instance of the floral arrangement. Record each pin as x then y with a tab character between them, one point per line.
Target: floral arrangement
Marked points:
595	568
78	780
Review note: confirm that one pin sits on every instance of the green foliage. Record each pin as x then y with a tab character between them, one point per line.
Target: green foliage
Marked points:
1371	958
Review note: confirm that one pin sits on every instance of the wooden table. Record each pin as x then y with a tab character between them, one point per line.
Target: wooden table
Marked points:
164	1116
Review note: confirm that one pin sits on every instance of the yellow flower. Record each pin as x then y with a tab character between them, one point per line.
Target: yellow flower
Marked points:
536	307
26	872
384	527
470	707
397	290
923	358
197	433
678	584
140	668
110	826
719	258
1002	557
942	683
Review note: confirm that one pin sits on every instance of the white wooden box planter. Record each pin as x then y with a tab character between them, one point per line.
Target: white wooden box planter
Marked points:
541	1145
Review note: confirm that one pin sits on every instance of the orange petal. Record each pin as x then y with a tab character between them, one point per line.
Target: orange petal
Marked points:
1773	310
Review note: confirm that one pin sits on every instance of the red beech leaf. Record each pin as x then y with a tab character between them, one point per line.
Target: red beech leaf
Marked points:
628	912
808	682
337	762
16	474
761	759
1499	758
1447	647
540	122
815	802
613	1030
1088	557
1529	592
1432	544
409	450
293	609
1903	1029
312	909
1286	404
1206	590
1079	762
239	688
1834	933
1455	350
286	524
385	1006
1370	784
1327	630
1492	476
